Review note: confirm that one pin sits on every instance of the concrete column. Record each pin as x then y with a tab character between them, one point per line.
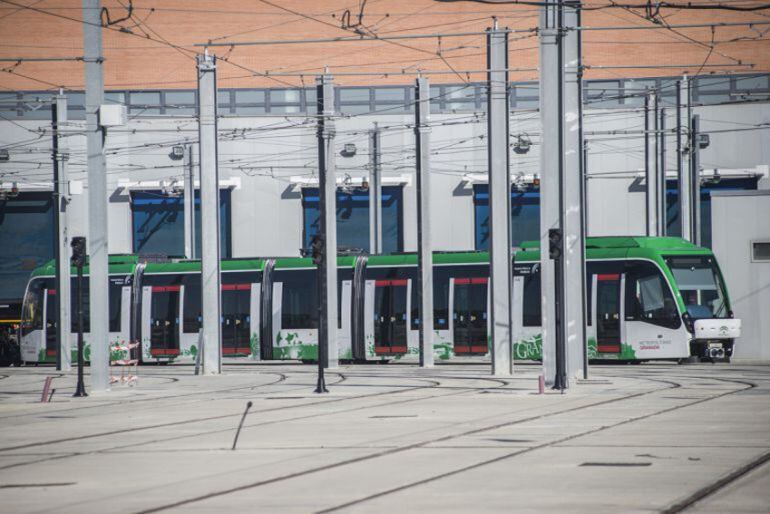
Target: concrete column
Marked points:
572	197
424	246
61	199
683	132
695	178
562	277
189	202
328	199
97	198
500	261
662	208
375	192
210	248
651	163
550	170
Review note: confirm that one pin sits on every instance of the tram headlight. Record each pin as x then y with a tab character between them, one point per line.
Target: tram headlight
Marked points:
689	322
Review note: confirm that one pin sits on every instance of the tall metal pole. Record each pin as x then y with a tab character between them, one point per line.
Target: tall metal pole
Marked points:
500	262
78	260
574	287
328	198
375	192
189	202
61	199
97	197
586	222
550	169
662	207
695	178
683	119
424	246
210	229
651	162
561	219
575	88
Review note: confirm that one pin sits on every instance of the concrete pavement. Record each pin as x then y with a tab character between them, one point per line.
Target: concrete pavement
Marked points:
451	439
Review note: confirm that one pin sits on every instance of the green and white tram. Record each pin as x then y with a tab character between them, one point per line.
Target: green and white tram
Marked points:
647	298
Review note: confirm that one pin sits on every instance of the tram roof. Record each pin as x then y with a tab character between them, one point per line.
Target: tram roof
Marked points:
118	264
410	259
343	261
621	246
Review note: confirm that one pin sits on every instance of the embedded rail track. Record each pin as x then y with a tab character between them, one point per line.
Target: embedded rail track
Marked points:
389	383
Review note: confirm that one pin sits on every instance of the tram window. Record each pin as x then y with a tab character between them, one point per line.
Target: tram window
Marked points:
115	295
648	297
192	313
343	275
589	297
440	299
299	306
701	286
32	311
532	309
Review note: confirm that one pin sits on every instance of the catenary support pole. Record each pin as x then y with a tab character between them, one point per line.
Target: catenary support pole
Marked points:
550	169
328	198
561	218
684	178
375	192
584	209
662	207
574	287
97	198
189	202
211	278
651	162
695	179
500	261
424	246
61	199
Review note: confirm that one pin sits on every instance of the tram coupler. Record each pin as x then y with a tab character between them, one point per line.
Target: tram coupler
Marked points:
711	349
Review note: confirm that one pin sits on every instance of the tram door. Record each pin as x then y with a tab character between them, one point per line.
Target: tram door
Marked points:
236	319
164	321
608	306
390	316
469	316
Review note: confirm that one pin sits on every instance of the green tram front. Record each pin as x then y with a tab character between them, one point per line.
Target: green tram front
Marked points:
706	307
656	298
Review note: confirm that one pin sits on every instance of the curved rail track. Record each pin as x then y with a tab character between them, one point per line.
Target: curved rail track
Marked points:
390	384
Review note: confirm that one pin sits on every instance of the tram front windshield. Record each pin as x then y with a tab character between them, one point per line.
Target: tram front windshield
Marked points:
701	286
32	308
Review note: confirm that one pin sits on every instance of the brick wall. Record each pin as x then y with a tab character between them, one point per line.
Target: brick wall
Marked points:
135	62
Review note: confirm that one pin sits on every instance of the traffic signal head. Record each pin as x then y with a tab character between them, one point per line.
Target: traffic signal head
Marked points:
317	249
555	243
78	245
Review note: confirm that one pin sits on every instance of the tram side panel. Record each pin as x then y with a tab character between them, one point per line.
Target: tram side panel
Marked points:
295	314
38	328
388	333
171	316
460	310
632	312
527	318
